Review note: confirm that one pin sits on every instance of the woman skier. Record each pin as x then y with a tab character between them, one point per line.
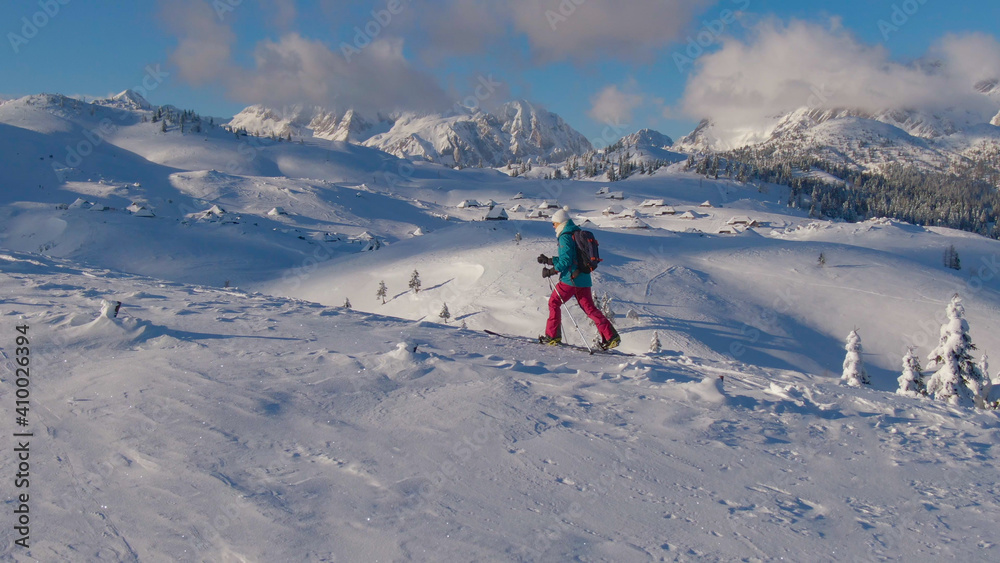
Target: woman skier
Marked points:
572	283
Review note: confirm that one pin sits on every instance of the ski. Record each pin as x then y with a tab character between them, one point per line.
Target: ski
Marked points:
611	352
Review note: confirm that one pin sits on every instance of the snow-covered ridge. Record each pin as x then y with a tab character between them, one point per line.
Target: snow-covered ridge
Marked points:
924	138
305	122
516	131
128	99
646	139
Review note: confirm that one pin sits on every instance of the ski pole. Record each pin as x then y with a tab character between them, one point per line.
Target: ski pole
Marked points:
568	314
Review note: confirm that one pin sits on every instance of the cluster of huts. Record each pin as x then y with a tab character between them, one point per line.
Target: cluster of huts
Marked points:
631	217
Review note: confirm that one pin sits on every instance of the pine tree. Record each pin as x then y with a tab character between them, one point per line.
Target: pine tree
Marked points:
654	345
854	365
822	259
958	380
382	291
415	282
445	314
911	382
517	238
347	303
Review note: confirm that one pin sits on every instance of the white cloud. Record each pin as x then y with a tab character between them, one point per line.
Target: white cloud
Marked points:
614	106
204	43
296	70
460	28
556	30
784	67
587	30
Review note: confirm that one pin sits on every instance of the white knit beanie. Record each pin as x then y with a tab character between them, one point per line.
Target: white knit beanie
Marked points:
561	216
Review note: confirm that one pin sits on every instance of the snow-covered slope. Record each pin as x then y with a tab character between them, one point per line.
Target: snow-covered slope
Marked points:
207	424
235	407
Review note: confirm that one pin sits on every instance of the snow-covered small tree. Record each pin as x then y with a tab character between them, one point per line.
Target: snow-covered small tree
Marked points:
911	382
822	259
382	291
632	315
993	399
606	309
654	344
854	365
996	380
958	379
445	314
951	259
415	281
347	303
991	394
517	238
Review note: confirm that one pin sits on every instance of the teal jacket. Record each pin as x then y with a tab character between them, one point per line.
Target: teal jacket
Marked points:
566	262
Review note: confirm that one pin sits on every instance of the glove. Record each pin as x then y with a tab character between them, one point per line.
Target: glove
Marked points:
543	259
549	272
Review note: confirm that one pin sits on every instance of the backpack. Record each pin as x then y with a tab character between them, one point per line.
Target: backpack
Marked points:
586	252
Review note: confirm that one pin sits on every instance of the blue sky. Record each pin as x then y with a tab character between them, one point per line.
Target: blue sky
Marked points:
607	67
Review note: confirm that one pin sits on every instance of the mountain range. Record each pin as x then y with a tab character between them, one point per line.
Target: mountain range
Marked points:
864	139
516	131
522	132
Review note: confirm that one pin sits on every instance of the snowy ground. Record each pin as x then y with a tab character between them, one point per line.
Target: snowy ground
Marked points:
263	421
213	425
